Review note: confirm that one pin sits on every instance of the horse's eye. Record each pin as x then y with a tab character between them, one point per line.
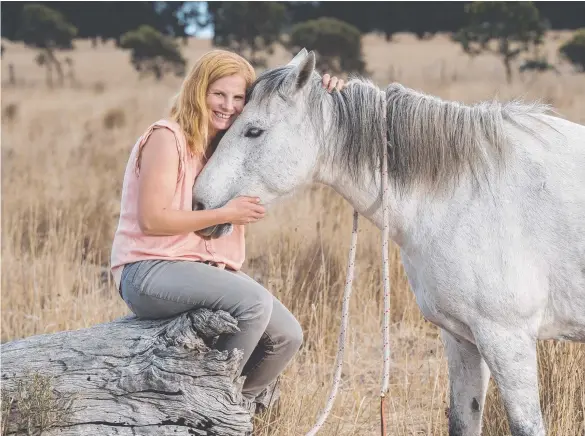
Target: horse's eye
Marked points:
253	132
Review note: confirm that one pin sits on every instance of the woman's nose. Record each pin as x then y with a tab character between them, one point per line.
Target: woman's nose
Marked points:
228	104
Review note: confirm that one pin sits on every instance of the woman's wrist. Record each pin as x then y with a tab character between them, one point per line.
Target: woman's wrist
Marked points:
224	215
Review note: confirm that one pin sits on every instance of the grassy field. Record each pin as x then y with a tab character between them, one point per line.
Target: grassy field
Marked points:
63	155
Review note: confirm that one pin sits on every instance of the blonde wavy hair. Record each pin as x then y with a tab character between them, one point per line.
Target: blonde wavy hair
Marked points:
189	107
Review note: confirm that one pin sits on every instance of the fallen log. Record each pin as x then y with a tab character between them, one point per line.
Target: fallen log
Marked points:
128	377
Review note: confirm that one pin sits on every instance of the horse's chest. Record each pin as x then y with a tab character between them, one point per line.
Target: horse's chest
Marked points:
430	305
439	305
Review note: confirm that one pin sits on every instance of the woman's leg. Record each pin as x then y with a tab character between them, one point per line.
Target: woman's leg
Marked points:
279	343
161	289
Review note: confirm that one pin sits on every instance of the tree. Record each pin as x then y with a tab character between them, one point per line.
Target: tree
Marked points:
422	18
574	50
47	30
248	27
110	20
515	27
153	52
337	43
175	16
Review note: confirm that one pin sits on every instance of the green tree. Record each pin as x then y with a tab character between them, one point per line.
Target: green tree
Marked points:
47	30
110	20
337	43
574	50
153	52
248	27
515	27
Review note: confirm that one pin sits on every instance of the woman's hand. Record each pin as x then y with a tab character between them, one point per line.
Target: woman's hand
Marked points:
331	83
159	169
244	210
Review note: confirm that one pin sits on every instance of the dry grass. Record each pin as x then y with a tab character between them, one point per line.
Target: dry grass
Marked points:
33	406
63	157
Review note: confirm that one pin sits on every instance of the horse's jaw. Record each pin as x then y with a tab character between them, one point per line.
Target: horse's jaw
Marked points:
216	231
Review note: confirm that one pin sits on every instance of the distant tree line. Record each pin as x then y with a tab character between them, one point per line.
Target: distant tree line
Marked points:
111	19
423	18
333	29
149	30
49	31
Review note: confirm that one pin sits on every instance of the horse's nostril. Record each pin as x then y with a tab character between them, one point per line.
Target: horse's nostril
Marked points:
199	206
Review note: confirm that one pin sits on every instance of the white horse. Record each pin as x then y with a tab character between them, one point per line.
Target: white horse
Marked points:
487	204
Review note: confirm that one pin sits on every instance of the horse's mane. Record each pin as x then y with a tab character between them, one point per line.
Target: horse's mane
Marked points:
431	142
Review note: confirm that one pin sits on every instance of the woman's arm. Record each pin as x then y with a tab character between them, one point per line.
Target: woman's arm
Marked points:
156	188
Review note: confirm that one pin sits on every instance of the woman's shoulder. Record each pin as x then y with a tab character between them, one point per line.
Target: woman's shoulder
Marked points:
167	130
167	122
161	131
163	137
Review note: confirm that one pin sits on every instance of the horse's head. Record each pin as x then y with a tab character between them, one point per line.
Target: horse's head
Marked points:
271	148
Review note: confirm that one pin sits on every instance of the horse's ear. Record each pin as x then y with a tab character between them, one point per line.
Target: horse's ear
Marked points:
305	70
298	57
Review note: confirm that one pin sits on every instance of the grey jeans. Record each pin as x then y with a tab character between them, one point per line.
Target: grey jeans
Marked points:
269	334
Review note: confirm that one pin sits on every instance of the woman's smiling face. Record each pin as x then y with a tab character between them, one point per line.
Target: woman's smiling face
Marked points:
225	101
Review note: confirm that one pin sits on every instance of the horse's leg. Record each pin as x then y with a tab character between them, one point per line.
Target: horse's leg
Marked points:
469	376
511	357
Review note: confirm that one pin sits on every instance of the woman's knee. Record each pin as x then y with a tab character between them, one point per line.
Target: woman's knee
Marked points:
257	305
295	335
284	330
287	336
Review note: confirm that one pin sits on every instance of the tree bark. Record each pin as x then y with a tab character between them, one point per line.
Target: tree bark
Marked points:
132	377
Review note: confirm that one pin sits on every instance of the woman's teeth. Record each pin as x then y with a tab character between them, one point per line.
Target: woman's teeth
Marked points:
219	115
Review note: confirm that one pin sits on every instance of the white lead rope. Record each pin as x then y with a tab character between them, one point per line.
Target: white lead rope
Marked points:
386	268
344	318
347	294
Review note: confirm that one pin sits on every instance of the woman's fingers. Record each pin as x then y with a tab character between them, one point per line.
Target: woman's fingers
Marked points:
331	83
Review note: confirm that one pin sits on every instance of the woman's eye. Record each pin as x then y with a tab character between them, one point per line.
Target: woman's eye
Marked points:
253	132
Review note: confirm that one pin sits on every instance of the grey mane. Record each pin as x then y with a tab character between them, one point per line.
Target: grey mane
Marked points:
431	142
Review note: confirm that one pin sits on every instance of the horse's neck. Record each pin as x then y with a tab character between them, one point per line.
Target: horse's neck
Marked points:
366	199
415	217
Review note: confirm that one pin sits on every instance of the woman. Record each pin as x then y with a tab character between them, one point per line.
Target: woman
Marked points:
159	263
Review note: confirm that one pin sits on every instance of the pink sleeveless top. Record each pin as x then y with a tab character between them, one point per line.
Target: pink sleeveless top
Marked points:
131	245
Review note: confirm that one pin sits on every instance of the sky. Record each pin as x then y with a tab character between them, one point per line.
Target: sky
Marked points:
203	33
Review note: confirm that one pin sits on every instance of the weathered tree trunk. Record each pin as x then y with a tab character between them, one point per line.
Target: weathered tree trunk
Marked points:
128	377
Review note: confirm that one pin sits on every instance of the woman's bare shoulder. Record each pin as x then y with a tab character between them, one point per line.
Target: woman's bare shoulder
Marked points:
159	149
162	139
162	135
